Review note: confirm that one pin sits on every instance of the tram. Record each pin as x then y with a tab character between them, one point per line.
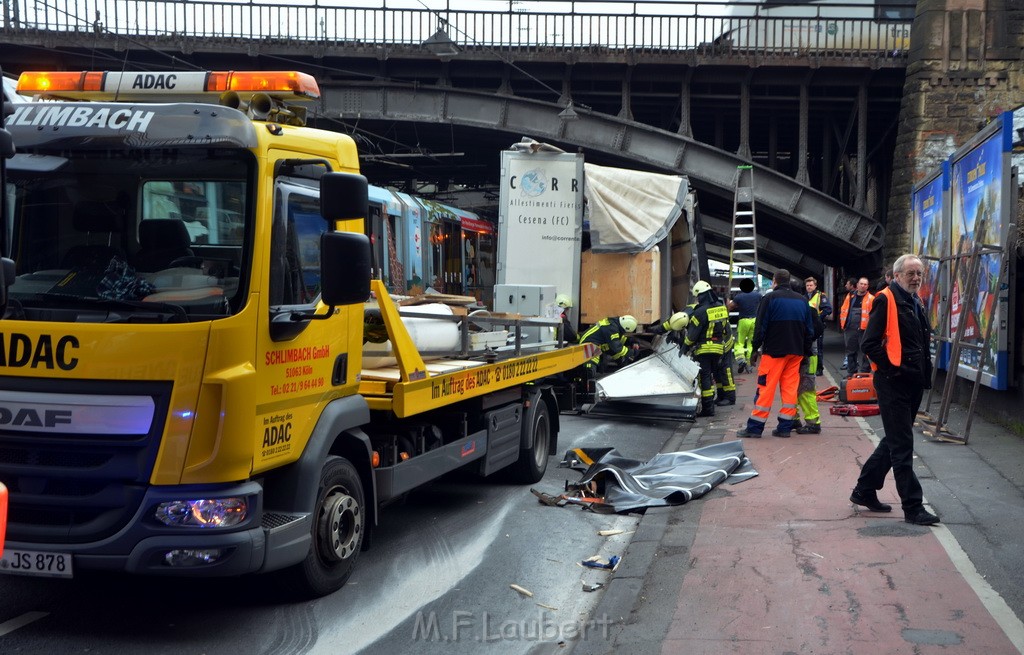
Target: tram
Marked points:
818	26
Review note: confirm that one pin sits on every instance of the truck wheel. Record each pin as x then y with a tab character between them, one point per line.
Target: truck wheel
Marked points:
339	523
533	461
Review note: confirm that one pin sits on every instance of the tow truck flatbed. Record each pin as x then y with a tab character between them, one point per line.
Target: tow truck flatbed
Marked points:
414	386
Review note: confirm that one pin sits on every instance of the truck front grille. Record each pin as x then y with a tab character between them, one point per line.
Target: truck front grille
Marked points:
74	488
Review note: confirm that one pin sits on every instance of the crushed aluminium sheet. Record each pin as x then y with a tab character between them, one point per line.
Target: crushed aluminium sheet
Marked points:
665	376
666	479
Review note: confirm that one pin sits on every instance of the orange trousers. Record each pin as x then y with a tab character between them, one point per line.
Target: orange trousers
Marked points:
776	372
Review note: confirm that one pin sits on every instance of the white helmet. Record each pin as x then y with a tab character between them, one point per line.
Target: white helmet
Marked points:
701	287
678	321
563	300
628	323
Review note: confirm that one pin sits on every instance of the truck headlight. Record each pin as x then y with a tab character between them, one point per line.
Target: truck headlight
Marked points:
203	513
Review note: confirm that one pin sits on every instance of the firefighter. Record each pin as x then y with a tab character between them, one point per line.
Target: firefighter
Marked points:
610	336
673	327
564	304
706	339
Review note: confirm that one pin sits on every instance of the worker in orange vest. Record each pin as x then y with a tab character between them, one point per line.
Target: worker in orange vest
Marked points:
853	320
898	340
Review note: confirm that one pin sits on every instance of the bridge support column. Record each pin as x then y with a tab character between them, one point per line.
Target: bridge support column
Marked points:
862	147
626	112
744	149
801	150
685	124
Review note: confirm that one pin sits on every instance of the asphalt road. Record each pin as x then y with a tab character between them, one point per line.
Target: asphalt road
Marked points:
437	580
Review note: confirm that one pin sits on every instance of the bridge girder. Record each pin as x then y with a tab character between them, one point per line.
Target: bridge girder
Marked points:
793	218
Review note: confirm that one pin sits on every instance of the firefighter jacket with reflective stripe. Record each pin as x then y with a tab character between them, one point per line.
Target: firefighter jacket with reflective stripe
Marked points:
609	337
709	332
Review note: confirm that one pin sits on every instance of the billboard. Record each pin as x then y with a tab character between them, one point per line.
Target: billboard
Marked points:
540	221
931	242
981	203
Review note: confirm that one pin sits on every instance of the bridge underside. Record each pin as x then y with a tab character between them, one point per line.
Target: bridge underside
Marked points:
792	219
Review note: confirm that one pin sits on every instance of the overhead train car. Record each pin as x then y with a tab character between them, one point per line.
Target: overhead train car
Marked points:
818	26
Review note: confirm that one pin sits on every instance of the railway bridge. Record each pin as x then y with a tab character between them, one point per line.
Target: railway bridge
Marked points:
433	93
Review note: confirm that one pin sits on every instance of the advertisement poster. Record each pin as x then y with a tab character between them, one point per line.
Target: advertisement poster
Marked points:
980	201
932	243
540	220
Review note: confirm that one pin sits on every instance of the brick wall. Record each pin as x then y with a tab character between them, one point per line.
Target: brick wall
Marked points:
958	78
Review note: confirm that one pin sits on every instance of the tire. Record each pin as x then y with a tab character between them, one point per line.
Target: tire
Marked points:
339	526
533	461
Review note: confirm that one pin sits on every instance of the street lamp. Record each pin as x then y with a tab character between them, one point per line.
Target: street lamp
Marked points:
569	113
441	44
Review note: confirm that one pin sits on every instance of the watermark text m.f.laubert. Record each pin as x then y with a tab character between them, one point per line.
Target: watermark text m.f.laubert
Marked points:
485	627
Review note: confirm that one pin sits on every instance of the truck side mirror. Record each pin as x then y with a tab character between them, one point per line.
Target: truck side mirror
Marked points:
344	268
344	196
7	274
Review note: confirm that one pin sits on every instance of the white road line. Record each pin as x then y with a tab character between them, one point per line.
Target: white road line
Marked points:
1012	626
20	622
993	602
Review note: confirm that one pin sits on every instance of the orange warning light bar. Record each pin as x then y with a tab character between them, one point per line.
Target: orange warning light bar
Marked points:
168	85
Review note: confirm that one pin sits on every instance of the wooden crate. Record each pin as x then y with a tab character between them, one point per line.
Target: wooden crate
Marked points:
617	284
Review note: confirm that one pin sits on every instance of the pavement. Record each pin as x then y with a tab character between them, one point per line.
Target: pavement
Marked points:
784	563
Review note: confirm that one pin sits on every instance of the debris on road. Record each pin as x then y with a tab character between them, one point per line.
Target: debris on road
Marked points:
609	533
524	591
598	562
593	587
547	607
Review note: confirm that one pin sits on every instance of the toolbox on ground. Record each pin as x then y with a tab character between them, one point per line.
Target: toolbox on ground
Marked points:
858	388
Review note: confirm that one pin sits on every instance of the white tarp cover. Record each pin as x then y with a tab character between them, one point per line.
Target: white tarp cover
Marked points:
630	211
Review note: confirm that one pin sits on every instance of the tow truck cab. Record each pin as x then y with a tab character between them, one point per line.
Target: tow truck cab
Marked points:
182	389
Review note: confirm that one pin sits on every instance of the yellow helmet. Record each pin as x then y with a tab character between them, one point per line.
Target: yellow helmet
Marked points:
701	287
678	321
563	300
628	323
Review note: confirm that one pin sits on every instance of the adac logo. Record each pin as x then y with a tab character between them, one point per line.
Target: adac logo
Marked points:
533	183
20	351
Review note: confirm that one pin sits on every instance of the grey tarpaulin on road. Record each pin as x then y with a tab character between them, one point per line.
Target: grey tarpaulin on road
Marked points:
666	479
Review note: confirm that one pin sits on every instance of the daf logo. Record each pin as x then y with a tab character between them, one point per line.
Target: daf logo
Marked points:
26	417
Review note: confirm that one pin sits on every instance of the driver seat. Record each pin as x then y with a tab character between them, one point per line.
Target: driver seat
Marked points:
161	241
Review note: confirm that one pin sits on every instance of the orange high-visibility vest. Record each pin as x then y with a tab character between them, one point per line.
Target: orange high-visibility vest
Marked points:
891	340
865	309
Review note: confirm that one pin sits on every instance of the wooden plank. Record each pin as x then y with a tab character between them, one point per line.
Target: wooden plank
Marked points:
617	284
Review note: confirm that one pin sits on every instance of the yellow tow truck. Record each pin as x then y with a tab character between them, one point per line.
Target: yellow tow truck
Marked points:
186	280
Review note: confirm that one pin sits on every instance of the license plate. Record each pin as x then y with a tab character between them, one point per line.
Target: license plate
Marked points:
38	563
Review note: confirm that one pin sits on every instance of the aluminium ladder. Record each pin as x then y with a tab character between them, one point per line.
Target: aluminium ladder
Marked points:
743	250
937	427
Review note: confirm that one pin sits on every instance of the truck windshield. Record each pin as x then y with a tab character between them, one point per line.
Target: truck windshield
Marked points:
135	235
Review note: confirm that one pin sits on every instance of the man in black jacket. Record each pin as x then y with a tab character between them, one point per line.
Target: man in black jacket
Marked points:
897	341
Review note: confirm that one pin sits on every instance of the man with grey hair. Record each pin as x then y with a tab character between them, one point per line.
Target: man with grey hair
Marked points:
897	341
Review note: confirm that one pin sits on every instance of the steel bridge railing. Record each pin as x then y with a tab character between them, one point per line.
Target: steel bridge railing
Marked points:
715	28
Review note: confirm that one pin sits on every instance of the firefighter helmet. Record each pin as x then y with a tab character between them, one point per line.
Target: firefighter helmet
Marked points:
563	300
701	287
678	321
628	323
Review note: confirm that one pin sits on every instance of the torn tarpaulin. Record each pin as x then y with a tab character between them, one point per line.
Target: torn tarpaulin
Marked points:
666	479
